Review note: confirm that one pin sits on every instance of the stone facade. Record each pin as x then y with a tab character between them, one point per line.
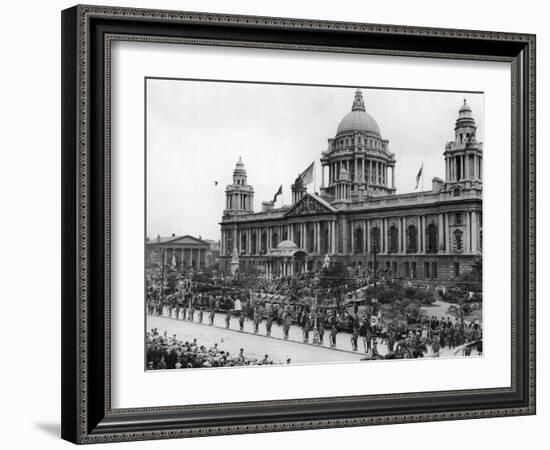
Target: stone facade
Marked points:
358	218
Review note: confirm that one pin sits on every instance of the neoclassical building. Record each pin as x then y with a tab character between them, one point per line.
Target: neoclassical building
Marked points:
358	217
183	252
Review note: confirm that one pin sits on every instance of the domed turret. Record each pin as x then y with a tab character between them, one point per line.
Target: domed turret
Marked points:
465	118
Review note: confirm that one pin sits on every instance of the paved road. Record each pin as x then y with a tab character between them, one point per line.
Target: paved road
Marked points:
254	345
343	340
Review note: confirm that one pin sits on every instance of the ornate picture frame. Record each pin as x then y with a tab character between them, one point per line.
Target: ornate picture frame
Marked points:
87	35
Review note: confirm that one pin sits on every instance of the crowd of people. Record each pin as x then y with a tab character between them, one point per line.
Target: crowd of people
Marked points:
165	352
411	338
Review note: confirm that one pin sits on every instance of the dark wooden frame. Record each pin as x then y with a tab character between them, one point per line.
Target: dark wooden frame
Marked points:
87	31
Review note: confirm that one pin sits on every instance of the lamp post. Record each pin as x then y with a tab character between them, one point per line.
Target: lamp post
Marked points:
316	339
374	252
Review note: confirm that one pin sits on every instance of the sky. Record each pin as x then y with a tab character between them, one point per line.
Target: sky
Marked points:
197	130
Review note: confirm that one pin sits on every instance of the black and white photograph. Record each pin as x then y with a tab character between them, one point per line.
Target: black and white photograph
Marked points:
311	224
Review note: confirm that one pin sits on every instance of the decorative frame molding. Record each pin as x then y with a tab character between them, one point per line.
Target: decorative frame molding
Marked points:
87	34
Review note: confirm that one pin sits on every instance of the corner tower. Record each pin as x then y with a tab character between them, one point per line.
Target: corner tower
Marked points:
239	196
464	155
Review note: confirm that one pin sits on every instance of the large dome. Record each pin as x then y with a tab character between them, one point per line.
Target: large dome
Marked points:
358	119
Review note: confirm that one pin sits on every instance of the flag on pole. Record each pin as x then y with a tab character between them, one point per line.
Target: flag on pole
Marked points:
419	175
470	295
307	175
279	192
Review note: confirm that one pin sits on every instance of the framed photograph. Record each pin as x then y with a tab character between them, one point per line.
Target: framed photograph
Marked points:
278	224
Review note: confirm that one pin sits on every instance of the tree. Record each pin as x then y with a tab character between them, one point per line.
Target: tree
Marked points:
334	277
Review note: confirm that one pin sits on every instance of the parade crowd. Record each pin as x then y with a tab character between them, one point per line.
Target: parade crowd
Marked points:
415	337
165	352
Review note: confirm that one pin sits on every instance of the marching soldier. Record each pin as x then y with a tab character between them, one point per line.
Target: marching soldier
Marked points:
286	325
211	316
227	318
333	333
321	330
257	321
354	338
200	315
191	313
241	321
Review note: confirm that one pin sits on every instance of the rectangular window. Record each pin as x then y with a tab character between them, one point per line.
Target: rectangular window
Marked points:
394	268
427	270
434	270
413	270
407	270
456	268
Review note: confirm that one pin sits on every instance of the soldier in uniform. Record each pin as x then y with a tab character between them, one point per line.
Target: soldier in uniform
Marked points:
286	325
354	338
241	321
306	329
257	321
184	314
227	318
211	316
436	344
333	333
191	313
321	330
200	315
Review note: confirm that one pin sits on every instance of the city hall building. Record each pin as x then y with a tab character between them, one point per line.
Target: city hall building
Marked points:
357	217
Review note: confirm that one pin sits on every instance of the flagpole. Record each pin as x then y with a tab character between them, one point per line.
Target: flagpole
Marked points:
422	176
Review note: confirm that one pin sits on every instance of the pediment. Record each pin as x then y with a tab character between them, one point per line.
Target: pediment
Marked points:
310	205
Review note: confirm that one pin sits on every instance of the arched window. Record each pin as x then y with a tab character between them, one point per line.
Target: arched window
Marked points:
253	246
274	239
456	192
431	241
412	239
393	239
243	243
263	244
458	240
358	240
375	240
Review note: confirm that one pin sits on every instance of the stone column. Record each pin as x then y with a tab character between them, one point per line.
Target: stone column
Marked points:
475	233
369	246
352	243
365	236
447	233
441	234
468	246
385	237
318	236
